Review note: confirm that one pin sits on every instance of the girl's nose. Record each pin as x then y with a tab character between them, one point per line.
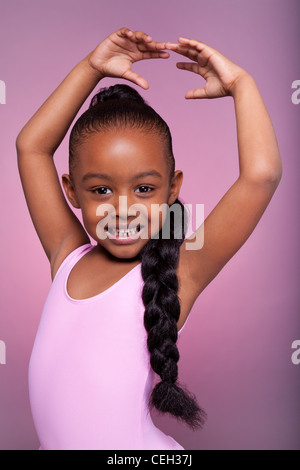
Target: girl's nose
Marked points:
127	209
122	206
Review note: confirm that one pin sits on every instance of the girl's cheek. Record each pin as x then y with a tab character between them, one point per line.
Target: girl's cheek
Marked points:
90	219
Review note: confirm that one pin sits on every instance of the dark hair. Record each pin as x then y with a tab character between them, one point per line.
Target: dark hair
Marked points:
119	106
122	106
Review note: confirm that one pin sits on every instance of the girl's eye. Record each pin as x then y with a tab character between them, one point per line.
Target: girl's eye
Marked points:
101	190
144	189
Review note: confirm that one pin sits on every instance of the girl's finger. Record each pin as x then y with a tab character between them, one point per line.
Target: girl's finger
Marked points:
136	78
201	48
190	66
141	36
172	45
152	46
192	42
176	47
124	32
185	50
196	93
156	55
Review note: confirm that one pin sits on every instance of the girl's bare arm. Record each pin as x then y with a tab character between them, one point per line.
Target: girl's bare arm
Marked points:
234	218
54	221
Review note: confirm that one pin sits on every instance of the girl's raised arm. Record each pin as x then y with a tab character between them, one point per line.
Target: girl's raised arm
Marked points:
58	228
234	218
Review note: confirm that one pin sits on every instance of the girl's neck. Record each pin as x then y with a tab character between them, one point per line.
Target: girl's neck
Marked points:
110	258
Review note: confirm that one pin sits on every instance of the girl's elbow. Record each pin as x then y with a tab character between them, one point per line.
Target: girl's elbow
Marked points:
274	175
264	174
25	144
20	143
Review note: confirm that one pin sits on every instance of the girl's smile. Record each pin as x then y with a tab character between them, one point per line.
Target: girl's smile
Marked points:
124	236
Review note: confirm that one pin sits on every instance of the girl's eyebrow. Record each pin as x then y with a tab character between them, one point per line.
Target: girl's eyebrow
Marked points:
88	176
147	173
108	177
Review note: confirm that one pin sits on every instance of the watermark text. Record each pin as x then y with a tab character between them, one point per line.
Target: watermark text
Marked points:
296	94
296	354
150	223
2	352
2	92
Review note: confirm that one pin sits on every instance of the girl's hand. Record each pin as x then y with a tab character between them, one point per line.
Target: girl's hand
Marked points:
220	73
114	56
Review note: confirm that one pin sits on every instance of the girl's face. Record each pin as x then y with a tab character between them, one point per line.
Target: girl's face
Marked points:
120	179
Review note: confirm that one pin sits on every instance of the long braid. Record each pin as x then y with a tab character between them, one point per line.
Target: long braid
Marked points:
162	309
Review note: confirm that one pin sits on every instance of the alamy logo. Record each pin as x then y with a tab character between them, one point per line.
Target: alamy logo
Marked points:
296	93
108	227
2	352
296	354
2	92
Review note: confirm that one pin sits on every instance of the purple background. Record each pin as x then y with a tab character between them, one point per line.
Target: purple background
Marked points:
236	347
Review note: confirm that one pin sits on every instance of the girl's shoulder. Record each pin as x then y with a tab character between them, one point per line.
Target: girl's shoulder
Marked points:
66	252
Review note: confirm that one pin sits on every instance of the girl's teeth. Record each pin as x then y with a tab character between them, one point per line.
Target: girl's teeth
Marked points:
123	232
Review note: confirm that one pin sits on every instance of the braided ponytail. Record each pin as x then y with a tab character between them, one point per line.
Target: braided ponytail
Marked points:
162	309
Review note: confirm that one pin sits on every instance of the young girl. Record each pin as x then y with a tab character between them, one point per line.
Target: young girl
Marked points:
112	316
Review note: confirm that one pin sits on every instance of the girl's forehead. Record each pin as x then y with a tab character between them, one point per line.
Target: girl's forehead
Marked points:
126	149
129	136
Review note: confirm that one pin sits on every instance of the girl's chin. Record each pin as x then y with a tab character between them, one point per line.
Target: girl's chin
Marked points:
123	250
124	246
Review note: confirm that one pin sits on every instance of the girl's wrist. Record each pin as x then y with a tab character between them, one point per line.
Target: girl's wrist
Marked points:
244	80
91	68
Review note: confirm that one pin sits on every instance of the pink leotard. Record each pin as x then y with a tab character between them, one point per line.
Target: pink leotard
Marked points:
89	375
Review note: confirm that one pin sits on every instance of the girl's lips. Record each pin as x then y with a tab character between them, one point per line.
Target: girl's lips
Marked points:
124	240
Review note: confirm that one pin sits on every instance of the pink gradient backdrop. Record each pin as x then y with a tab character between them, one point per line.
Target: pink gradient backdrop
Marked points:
236	347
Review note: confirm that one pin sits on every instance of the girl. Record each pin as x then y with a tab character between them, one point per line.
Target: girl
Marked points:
112	316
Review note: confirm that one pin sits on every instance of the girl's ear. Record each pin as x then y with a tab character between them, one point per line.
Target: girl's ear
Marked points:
70	191
175	186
